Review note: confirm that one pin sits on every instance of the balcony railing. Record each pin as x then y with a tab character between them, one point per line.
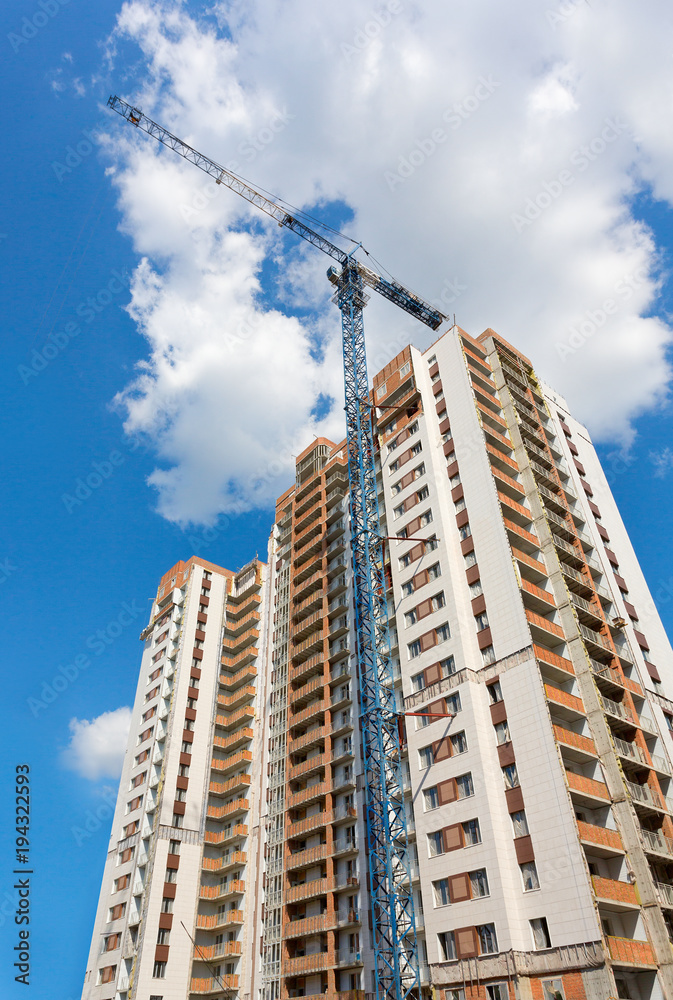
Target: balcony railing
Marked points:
655	840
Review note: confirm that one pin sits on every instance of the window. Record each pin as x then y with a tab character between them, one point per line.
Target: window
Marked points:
405	560
431	544
155	673
123	882
464	786
449	994
470	559
107	975
432	360
117	912
167	905
454	481
502	733
183	770
488	942
552	989
453	701
414	649
464	532
410	618
141	757
481	621
510	775
479	883
174	847
459	743
188	725
394	466
434	571
476	590
417	448
435	844
460	505
494	692
488	655
423	494
407	589
425	518
430	798
435	378
159	970
439	396
425	757
471	832
178	820
447	952
151	694
443	632
186	747
438	601
529	876
540	933
419	470
497	991
418	681
163	936
447	667
520	823
396	488
441	891
405	369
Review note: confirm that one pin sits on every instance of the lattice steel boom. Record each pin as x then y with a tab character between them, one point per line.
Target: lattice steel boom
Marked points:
395	947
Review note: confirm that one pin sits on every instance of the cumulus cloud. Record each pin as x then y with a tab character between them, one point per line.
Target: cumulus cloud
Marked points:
493	172
96	748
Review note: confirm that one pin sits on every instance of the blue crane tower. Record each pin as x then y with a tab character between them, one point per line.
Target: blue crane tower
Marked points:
395	946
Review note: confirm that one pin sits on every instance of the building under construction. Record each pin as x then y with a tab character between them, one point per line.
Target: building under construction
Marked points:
522	640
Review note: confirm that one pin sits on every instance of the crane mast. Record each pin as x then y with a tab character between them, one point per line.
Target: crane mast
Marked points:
395	945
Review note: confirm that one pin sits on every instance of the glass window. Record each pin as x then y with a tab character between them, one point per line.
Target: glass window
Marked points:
405	369
464	786
479	883
552	989
417	448
540	933
488	942
510	775
460	504
476	589
443	632
423	494
414	649
481	621
441	890
426	757
529	876
502	733
435	844
430	798
494	692
447	667
418	681
471	832
410	618
497	991
407	589
520	823
438	601
471	559
453	702
447	951
488	655
465	532
434	571
425	518
459	743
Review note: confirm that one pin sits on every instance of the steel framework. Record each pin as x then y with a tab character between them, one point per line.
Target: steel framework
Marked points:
395	946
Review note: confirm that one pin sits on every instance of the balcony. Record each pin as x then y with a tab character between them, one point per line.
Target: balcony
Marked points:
575	746
236	808
308	890
218	837
645	798
239	697
604	842
630	753
618	711
303	965
206	953
204	986
655	842
235	680
237	783
630	953
234	887
665	893
233	720
307	926
300	827
232	763
533	567
317	791
233	860
303	694
306	627
614	895
538	600
315	763
307	858
313	665
565	705
308	739
215	921
555	666
596	643
315	708
347	957
587	790
309	646
236	739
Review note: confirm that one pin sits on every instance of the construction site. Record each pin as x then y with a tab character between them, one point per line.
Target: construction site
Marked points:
453	579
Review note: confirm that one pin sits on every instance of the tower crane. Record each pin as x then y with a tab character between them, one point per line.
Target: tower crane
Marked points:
395	945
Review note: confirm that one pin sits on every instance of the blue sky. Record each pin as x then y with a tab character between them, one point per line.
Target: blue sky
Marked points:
73	230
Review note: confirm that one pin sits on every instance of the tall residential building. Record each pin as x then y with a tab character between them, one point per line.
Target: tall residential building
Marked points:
534	682
180	897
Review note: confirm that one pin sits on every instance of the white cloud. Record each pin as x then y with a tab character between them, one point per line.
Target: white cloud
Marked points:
96	748
521	200
662	462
